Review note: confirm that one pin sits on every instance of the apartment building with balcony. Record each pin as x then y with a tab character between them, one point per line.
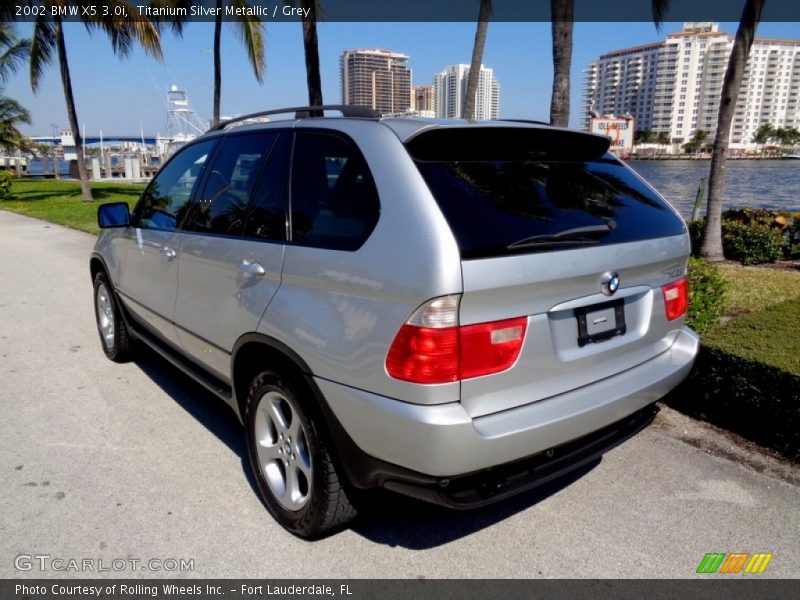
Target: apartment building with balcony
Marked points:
674	86
377	78
424	101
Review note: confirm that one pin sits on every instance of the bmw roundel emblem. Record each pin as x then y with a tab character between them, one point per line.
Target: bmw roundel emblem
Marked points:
609	283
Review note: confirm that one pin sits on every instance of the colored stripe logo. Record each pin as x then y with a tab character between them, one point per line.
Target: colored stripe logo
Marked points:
736	562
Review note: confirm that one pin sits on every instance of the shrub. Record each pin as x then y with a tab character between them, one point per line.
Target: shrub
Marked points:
751	243
5	186
707	290
752	236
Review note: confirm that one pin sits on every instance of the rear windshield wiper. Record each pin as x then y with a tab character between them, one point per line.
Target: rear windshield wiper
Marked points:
576	235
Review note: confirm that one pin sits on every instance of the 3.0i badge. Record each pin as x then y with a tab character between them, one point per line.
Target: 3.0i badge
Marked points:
609	283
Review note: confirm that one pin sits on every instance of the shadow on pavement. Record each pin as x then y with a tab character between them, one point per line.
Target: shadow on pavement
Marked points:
395	520
204	406
384	517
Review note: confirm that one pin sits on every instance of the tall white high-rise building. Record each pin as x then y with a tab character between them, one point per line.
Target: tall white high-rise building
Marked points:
674	86
450	87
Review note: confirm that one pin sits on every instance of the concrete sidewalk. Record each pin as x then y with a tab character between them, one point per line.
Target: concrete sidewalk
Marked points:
135	461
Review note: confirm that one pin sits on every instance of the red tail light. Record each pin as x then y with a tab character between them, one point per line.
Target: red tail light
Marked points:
431	347
676	298
424	355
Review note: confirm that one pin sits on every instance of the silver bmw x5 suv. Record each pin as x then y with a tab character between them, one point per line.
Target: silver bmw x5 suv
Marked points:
455	311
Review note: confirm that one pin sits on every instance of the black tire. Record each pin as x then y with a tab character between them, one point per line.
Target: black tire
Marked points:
321	505
115	341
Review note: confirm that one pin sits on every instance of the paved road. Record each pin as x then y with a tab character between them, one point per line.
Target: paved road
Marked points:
108	461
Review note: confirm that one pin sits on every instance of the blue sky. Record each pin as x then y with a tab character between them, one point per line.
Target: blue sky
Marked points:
115	95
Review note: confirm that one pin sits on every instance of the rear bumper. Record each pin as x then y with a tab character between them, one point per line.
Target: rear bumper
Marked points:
442	441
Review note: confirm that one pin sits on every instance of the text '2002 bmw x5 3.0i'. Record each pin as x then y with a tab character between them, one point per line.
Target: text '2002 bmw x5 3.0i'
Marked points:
455	311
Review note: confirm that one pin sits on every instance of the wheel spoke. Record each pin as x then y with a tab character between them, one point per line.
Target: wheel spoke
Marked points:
267	452
304	464
294	493
277	415
295	427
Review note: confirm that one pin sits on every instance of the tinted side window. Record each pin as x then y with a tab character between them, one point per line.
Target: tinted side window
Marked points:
222	206
266	215
164	203
334	199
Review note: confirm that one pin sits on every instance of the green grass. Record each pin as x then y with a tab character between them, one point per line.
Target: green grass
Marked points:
754	289
764	304
770	336
60	201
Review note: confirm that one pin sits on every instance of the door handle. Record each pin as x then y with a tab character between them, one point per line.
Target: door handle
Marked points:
169	253
252	268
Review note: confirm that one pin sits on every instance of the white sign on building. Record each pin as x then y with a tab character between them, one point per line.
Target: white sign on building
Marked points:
618	129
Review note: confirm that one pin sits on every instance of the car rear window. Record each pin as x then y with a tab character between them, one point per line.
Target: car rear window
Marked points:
532	198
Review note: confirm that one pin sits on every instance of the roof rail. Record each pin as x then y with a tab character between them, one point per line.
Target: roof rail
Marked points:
303	112
526	121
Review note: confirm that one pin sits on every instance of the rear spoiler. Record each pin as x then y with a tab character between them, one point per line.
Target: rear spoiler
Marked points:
476	143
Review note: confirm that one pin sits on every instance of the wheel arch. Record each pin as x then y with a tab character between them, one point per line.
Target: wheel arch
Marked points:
254	351
98	264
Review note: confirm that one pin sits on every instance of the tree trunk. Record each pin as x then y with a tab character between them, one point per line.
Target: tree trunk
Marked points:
217	64
468	111
71	113
311	48
751	15
561	15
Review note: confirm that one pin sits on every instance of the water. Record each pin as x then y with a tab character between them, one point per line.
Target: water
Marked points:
754	183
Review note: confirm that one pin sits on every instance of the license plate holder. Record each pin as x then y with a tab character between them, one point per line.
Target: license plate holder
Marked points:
600	322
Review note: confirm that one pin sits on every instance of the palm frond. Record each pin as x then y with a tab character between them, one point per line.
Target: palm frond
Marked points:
13	58
13	113
124	32
176	24
42	49
659	10
250	30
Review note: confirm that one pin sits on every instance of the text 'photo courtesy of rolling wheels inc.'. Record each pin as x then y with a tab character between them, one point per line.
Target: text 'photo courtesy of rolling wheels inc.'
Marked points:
356	299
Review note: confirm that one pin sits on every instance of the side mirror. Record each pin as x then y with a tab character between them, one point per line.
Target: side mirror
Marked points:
113	214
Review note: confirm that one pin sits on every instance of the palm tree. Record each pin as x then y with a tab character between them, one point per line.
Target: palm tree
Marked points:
13	53
251	32
697	142
477	58
644	136
311	49
48	39
751	16
791	136
12	114
763	135
562	20
662	139
786	136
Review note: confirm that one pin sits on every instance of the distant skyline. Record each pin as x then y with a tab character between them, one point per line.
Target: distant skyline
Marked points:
116	95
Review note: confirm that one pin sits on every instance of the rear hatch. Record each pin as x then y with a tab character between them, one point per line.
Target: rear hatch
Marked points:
548	224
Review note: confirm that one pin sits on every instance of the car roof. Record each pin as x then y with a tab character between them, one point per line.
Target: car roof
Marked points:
405	128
